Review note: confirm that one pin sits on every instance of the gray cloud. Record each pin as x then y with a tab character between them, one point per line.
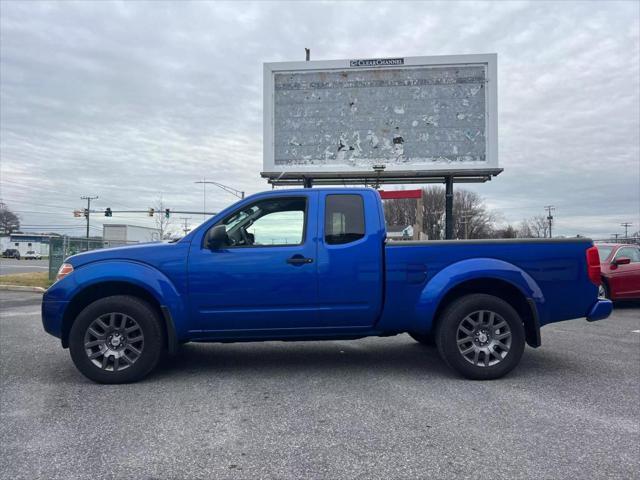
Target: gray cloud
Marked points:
131	100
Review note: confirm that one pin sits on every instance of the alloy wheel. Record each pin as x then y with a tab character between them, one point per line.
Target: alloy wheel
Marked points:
114	341
483	338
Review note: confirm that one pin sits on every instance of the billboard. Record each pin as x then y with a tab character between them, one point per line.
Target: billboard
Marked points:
411	115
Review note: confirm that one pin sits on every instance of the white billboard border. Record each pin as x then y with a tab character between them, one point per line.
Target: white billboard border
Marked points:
309	171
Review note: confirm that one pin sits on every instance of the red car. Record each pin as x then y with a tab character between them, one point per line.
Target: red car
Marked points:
620	266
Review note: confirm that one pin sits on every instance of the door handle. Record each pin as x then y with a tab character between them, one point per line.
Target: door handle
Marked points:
299	260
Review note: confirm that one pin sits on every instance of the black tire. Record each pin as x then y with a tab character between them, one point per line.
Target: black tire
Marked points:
149	327
457	315
426	339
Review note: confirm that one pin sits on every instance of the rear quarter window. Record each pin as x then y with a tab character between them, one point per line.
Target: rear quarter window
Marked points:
343	219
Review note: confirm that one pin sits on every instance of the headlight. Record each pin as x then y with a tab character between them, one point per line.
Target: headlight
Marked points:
64	270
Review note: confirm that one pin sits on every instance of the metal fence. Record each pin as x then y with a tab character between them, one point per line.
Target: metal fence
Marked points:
63	247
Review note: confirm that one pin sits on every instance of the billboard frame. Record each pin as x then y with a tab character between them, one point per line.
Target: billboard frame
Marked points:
389	174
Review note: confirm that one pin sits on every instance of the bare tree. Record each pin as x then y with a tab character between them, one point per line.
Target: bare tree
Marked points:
433	218
471	217
9	221
507	232
534	227
163	222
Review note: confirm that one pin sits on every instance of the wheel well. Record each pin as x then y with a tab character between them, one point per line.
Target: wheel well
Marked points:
503	290
101	290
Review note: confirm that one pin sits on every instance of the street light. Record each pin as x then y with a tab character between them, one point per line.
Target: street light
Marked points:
226	188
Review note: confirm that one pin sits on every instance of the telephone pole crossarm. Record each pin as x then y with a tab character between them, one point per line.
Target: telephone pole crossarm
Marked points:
626	226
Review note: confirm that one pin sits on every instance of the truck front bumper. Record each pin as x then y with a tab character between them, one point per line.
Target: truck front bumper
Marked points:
600	310
52	316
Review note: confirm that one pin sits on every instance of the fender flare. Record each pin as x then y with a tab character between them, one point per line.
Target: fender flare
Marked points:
173	309
477	269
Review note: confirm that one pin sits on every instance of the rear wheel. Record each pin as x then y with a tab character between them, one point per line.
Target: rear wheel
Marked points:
481	337
116	339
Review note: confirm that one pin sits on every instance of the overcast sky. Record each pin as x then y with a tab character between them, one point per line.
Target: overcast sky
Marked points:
131	100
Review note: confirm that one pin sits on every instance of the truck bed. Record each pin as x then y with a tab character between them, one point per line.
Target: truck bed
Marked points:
554	269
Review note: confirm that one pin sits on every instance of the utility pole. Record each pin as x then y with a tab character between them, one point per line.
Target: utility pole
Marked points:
186	228
615	235
626	226
549	209
87	213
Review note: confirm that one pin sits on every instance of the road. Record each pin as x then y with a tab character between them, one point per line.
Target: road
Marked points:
10	266
372	408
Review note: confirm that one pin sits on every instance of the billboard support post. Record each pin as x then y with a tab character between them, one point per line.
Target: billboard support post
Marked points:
448	221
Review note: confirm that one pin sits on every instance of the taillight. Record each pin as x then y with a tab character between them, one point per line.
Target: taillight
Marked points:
64	270
593	265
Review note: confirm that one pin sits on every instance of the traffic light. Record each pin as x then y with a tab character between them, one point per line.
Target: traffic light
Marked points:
152	212
86	213
108	213
167	213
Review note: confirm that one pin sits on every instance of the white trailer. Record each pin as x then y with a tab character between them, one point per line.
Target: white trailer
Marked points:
121	234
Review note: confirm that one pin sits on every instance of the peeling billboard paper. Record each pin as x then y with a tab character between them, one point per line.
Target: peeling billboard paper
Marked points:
420	113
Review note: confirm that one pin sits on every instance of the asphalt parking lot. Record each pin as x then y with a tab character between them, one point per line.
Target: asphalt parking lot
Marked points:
372	408
10	266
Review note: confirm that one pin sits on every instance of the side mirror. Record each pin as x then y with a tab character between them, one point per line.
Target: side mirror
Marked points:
622	261
217	237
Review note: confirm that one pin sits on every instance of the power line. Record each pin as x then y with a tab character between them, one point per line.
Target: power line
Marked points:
35	204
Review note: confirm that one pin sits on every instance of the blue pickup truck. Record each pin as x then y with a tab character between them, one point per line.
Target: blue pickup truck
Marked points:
315	264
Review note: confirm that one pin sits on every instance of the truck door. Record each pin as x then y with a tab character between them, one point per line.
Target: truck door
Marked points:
350	264
265	277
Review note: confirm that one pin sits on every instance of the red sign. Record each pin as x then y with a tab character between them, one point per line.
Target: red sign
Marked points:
397	194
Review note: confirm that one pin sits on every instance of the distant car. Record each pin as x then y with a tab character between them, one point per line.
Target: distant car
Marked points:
620	267
11	253
31	255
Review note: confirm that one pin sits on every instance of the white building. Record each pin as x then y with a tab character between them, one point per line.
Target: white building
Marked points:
26	242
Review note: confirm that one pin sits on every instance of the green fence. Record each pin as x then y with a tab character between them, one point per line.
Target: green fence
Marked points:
63	247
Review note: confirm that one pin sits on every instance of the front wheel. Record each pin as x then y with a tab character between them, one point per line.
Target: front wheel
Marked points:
116	339
481	337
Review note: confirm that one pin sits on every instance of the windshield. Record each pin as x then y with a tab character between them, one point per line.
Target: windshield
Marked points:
604	252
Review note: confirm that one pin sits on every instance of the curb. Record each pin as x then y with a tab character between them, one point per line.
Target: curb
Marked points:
22	288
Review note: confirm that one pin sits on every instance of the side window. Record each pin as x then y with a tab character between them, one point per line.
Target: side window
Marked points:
343	219
629	252
279	228
273	222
